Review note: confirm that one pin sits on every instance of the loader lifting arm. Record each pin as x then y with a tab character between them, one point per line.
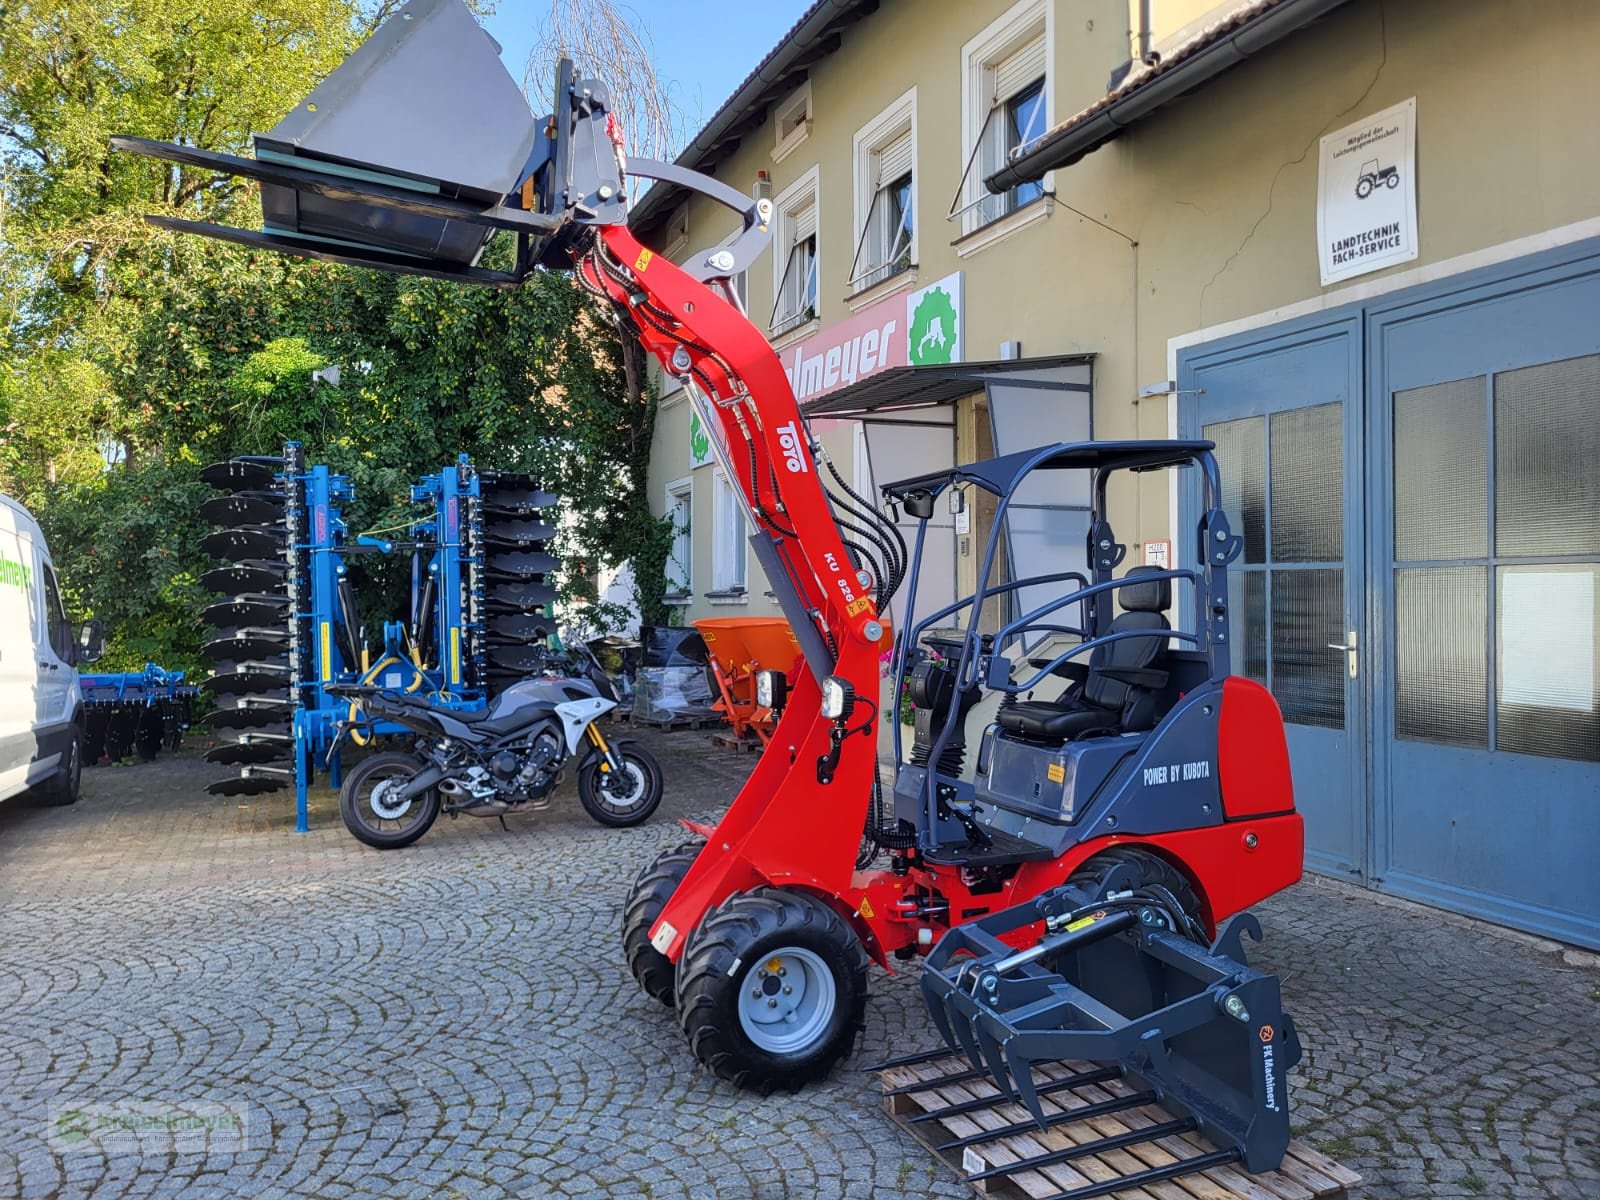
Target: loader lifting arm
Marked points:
566	207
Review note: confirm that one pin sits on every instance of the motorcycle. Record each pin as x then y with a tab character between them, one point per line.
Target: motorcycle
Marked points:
506	758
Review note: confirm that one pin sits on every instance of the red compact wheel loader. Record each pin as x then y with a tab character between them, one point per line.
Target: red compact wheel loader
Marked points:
1078	884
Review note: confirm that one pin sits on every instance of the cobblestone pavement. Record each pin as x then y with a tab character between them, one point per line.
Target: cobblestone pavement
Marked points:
456	1020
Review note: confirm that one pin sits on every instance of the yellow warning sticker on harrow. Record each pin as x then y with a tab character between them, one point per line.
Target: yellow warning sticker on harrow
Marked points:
859	604
643	260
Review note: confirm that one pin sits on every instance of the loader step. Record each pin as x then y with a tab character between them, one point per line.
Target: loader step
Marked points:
1117	1146
1002	850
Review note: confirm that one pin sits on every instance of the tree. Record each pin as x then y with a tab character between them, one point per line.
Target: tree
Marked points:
118	341
601	37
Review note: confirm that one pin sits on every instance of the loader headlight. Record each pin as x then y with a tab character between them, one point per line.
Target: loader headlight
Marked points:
838	698
772	689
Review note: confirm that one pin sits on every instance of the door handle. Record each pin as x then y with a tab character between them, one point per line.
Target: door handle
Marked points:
1352	655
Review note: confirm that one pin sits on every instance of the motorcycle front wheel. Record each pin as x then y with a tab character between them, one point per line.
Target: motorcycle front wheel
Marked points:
374	811
621	798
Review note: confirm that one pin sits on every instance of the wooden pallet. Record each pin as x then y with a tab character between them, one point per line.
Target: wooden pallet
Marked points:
739	745
676	723
1304	1175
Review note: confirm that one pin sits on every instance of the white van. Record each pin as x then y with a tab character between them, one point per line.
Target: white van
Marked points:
41	709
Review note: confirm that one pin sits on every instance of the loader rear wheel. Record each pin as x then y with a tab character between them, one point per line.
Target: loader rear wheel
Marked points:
772	989
1153	869
651	890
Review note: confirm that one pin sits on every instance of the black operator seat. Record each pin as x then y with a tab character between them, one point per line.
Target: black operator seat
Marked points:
1125	679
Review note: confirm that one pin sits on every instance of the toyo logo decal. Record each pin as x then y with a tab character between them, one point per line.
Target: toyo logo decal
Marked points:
793	451
15	574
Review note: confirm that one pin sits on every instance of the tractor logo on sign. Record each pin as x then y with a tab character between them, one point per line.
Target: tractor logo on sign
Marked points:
1374	177
933	329
933	323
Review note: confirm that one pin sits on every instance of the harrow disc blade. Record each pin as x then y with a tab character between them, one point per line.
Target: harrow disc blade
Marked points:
238	754
243	508
495	480
249	677
279	707
226	666
519	597
261	644
513	531
515	628
258	720
247	608
520	565
236	476
282	737
250	541
252	785
239	579
523	659
517	502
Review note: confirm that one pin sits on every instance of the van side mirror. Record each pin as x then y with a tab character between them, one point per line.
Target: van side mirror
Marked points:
91	642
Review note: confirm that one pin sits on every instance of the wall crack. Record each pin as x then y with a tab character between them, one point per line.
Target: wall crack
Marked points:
1383	60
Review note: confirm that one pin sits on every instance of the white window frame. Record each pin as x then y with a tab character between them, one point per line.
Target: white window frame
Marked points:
803	193
730	551
677	231
680	491
1021	26
883	132
795	110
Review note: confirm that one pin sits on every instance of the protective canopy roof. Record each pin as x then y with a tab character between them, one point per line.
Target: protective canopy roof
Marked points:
1001	475
927	387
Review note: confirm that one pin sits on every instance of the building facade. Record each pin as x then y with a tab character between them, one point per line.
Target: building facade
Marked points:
1356	243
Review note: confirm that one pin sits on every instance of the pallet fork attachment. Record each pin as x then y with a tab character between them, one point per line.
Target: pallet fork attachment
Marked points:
1193	1028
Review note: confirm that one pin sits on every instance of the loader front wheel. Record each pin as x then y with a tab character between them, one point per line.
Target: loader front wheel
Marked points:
651	890
772	989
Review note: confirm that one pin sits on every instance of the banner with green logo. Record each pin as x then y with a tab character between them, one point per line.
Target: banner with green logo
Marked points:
699	441
933	323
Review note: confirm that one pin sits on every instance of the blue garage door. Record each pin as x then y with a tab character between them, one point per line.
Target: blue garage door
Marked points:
1486	438
1282	410
1469	559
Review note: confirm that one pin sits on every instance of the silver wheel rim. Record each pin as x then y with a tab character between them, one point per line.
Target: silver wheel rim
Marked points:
380	803
610	801
787	1000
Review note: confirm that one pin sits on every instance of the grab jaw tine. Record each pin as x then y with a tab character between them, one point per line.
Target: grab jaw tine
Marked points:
1114	984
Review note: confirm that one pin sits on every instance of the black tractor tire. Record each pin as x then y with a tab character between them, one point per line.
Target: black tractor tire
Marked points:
600	804
355	811
734	949
1153	869
63	787
652	888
